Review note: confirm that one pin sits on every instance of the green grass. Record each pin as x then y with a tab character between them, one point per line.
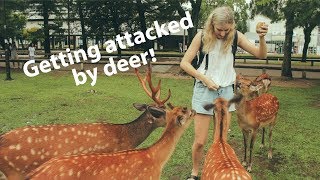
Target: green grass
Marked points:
54	98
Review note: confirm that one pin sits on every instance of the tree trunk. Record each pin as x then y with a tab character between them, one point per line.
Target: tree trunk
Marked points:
307	39
83	30
46	28
21	42
196	6
286	64
142	19
116	24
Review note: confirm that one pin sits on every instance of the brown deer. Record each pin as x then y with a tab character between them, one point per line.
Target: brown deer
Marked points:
253	114
263	81
259	85
146	163
221	161
26	148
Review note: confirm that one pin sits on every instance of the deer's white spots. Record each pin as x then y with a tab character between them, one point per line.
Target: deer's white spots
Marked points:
95	172
78	174
11	164
25	129
59	146
16	147
35	163
32	152
42	157
29	139
24	157
66	140
70	172
60	132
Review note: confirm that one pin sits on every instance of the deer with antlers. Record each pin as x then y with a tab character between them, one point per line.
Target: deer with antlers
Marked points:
146	163
254	113
221	161
26	148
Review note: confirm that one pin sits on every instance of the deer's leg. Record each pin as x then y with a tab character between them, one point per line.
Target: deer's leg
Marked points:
253	137
245	143
262	141
270	142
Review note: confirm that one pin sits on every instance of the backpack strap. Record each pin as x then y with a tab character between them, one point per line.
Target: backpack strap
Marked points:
201	55
235	46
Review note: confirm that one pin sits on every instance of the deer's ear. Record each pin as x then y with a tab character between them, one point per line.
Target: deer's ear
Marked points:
156	112
255	87
170	105
140	107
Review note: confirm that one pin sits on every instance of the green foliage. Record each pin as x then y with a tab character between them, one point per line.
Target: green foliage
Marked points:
240	8
54	98
12	20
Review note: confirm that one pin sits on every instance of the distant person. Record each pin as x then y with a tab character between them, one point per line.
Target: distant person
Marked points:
14	55
180	48
31	50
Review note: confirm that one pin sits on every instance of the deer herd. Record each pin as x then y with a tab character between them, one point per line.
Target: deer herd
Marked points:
108	151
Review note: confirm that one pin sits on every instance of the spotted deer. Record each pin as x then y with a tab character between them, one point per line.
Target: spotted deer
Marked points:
254	113
221	161
146	163
26	148
263	81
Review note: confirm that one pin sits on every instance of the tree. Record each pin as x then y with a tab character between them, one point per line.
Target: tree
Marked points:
195	14
295	13
12	20
308	20
46	9
276	11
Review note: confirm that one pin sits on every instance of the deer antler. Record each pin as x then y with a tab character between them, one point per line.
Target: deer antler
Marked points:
155	91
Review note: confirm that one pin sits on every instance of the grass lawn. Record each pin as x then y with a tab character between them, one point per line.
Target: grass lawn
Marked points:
54	98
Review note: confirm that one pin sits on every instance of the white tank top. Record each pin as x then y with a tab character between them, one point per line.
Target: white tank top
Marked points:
220	66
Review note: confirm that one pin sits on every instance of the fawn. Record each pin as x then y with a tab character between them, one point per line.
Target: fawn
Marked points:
263	81
254	113
146	163
26	148
221	161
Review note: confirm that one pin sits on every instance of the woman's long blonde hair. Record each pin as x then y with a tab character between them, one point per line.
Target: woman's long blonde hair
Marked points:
219	15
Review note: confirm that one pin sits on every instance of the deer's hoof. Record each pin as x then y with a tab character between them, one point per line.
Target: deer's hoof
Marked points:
269	155
261	146
249	168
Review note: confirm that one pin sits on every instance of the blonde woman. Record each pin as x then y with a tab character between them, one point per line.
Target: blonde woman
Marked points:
217	81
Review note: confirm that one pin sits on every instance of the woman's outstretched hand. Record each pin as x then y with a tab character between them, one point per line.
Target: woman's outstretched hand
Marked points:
262	29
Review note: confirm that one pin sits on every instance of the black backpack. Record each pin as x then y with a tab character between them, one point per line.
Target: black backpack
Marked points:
196	62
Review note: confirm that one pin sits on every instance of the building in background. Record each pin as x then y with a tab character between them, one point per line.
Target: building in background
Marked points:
276	36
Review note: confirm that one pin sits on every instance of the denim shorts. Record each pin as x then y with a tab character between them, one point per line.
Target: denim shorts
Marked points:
202	96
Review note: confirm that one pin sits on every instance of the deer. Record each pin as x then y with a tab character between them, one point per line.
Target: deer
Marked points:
145	163
221	161
253	114
24	149
263	80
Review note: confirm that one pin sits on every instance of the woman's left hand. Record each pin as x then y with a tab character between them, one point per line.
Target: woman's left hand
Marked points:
262	29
